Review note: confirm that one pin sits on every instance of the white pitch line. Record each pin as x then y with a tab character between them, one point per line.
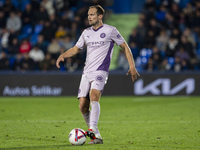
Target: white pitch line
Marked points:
157	99
62	121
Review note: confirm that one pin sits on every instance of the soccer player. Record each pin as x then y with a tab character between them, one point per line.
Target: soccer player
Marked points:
99	40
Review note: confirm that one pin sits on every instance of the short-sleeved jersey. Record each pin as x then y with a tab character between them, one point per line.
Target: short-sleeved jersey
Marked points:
100	45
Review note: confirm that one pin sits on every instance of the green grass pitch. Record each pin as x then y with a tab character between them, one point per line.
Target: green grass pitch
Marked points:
138	123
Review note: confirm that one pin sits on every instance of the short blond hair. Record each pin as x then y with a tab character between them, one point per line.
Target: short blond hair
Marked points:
100	10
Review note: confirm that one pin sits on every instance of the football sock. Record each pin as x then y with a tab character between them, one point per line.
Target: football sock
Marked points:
97	133
86	117
94	117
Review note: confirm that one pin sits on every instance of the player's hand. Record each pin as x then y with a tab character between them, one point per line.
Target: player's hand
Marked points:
60	58
133	73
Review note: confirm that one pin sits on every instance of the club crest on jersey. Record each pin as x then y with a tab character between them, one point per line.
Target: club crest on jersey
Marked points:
103	35
99	78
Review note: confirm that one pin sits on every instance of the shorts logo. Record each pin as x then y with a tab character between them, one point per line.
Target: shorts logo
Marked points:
79	91
103	35
99	78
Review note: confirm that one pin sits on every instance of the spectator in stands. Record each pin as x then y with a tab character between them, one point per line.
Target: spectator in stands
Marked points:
135	38
41	15
150	9
175	10
150	66
177	65
2	21
4	40
187	45
41	43
61	32
66	19
156	56
47	32
154	26
17	63
134	49
169	22
165	66
66	42
194	60
71	64
36	54
141	30
4	61
176	33
27	63
54	22
182	54
190	36
150	4
8	7
25	46
54	49
188	12
172	47
28	15
196	18
180	65
47	63
48	5
13	23
161	14
150	39
59	5
13	49
74	31
35	5
161	40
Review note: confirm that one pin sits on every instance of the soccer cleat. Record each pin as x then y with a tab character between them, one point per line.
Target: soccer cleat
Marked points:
90	133
96	141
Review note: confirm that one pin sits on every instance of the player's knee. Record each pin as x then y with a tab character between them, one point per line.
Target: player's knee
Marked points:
94	97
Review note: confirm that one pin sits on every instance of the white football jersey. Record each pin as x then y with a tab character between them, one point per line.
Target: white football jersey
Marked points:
100	45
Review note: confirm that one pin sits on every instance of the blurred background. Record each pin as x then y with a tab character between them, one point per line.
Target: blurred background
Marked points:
164	37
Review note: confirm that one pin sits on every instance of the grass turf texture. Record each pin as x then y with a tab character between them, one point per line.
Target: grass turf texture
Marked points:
137	123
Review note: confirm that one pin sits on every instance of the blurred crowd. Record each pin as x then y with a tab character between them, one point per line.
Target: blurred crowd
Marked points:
33	33
167	37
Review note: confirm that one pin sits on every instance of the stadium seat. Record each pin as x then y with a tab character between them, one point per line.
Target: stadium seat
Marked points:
38	28
171	61
23	4
11	62
26	32
33	39
15	3
145	54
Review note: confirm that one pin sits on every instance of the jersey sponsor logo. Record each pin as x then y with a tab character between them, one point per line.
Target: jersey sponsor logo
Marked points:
103	35
162	86
96	43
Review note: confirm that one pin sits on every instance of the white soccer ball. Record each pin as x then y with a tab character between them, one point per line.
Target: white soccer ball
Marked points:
77	136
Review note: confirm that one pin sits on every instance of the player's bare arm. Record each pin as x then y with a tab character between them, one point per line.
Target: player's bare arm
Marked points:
129	57
69	53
